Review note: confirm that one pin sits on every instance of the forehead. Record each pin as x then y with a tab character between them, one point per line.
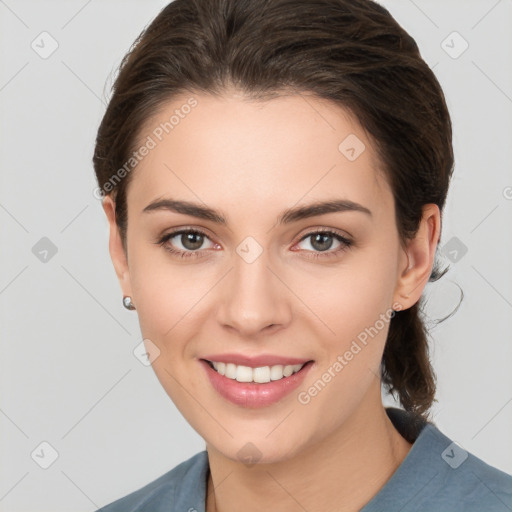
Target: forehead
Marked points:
230	150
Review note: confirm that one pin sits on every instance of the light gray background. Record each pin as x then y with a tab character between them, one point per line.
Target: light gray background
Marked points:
68	374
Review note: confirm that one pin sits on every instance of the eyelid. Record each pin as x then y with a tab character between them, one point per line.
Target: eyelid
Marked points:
322	229
184	230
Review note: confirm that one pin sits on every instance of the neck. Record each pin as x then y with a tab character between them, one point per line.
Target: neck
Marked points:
343	471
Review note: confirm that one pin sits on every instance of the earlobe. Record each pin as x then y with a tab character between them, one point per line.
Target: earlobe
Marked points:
116	247
419	254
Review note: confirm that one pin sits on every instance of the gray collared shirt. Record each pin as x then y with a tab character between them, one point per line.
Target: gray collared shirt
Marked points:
437	475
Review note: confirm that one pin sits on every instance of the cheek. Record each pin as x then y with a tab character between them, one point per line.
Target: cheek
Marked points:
157	290
168	302
356	310
355	296
356	307
169	297
165	299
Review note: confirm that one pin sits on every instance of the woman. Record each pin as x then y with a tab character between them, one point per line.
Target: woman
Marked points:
274	174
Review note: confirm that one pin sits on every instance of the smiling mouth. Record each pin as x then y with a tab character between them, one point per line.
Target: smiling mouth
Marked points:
258	375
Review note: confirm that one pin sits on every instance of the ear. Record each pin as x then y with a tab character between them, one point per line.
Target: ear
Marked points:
116	249
418	258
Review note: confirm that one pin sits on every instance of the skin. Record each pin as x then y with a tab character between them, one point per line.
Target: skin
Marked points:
251	160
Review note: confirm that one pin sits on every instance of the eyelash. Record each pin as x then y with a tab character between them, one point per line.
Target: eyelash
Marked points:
346	243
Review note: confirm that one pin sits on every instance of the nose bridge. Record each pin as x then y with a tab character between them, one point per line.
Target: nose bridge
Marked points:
254	297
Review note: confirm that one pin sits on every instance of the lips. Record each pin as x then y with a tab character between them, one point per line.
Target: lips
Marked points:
252	394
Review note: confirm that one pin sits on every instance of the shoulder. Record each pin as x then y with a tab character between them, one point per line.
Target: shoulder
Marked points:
465	481
438	475
164	493
454	479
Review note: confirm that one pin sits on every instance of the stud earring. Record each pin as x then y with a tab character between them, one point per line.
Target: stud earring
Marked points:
127	303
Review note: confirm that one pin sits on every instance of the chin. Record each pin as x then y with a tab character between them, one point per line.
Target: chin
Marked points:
258	451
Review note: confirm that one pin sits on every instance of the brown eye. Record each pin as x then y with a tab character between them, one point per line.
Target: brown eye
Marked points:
190	240
322	241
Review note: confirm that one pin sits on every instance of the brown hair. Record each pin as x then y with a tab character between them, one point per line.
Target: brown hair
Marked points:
351	52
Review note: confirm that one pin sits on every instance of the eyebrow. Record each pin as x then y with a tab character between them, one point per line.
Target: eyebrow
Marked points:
288	216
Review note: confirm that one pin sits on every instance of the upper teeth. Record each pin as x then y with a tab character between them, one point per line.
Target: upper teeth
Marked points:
261	374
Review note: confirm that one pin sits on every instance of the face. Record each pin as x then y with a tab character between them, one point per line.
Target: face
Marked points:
255	278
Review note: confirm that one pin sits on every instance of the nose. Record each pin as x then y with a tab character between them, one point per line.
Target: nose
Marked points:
254	299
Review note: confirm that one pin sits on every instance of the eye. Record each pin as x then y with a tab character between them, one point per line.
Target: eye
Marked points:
191	241
322	241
